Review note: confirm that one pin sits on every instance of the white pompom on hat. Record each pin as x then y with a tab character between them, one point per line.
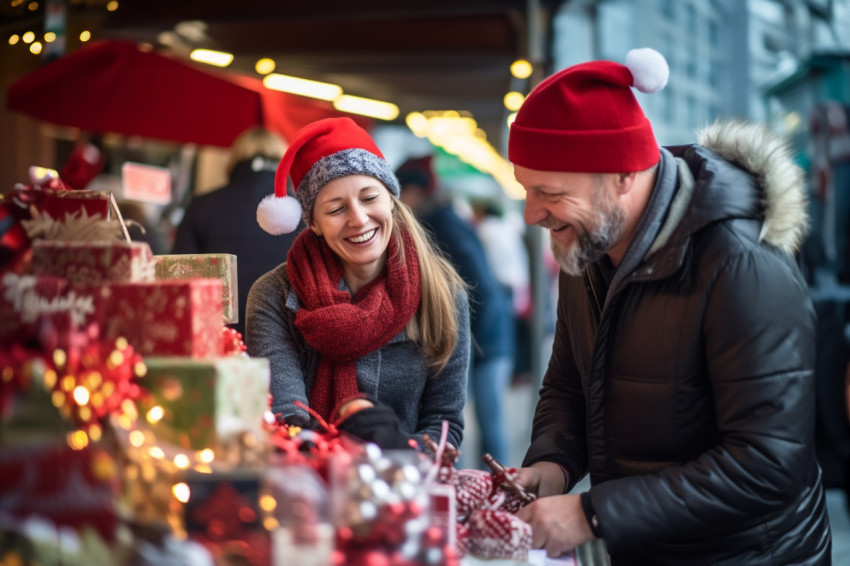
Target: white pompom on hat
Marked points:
586	119
278	215
321	151
649	69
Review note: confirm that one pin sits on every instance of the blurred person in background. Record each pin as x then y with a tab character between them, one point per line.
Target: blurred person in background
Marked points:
682	372
502	238
140	228
491	314
366	323
224	220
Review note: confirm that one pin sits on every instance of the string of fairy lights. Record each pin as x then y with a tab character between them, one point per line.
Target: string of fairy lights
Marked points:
454	131
99	389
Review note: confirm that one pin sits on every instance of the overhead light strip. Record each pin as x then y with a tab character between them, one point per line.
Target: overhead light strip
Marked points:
303	87
217	58
366	107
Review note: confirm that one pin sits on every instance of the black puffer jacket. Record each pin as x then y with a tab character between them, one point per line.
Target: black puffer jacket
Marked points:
690	398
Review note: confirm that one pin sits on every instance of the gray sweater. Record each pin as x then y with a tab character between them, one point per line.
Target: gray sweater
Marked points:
397	374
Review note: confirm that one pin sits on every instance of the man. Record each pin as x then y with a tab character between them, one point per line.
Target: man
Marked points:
681	376
490	307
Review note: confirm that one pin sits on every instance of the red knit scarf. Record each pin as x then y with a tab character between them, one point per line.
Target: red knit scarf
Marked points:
343	328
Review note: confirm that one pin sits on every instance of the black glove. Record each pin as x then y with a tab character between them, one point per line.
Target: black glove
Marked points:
379	425
301	420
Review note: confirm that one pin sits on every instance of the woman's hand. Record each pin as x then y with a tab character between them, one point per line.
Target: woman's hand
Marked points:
373	421
351	407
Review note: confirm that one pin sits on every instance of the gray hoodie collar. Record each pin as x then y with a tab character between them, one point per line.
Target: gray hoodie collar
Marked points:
677	208
650	222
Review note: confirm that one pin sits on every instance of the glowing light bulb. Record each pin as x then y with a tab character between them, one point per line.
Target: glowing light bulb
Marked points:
521	69
181	492
155	414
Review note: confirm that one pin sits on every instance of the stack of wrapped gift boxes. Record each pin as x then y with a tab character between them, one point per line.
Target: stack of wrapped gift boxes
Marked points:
82	280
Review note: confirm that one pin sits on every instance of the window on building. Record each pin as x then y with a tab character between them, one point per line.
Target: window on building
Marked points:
665	44
713	34
691	20
692	110
713	75
691	65
668	105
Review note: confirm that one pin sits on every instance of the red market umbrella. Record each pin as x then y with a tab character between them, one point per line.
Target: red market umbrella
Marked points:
114	86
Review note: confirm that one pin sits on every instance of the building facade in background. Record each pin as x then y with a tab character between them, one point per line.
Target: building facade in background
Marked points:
722	54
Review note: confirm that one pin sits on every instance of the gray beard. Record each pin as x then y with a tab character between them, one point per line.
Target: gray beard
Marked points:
593	241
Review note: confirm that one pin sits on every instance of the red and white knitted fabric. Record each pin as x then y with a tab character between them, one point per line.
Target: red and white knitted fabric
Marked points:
487	527
495	533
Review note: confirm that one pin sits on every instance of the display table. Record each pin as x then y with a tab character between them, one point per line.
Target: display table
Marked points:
592	553
536	558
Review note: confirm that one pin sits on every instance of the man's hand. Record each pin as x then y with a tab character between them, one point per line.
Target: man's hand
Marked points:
557	523
542	479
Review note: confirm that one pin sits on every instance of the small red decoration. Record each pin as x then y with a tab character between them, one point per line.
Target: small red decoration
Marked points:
232	344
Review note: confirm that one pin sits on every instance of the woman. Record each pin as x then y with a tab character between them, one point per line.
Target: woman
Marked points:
363	306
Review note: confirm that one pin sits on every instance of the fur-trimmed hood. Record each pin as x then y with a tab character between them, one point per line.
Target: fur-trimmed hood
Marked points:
769	158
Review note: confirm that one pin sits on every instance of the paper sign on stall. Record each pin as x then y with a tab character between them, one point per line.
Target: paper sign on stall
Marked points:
146	183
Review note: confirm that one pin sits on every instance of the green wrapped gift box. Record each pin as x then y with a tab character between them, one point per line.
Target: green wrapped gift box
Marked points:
209	402
218	266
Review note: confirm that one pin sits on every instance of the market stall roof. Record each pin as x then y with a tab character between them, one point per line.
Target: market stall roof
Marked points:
113	86
424	55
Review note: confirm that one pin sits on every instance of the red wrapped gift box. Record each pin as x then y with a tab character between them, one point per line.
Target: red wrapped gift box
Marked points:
25	300
164	318
59	203
92	263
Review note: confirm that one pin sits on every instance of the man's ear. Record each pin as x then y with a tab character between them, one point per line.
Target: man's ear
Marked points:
625	182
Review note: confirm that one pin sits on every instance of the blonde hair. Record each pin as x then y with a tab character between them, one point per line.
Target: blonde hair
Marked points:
255	142
436	326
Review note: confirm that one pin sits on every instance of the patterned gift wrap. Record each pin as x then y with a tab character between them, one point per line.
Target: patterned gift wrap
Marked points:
93	263
220	266
163	318
59	204
24	299
207	403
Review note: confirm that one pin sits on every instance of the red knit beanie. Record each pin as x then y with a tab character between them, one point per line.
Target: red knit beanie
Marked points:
585	119
321	151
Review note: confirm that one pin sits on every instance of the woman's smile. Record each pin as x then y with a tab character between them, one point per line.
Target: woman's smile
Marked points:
364	237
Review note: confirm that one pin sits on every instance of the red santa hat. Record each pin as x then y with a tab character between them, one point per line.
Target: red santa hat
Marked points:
320	152
586	119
